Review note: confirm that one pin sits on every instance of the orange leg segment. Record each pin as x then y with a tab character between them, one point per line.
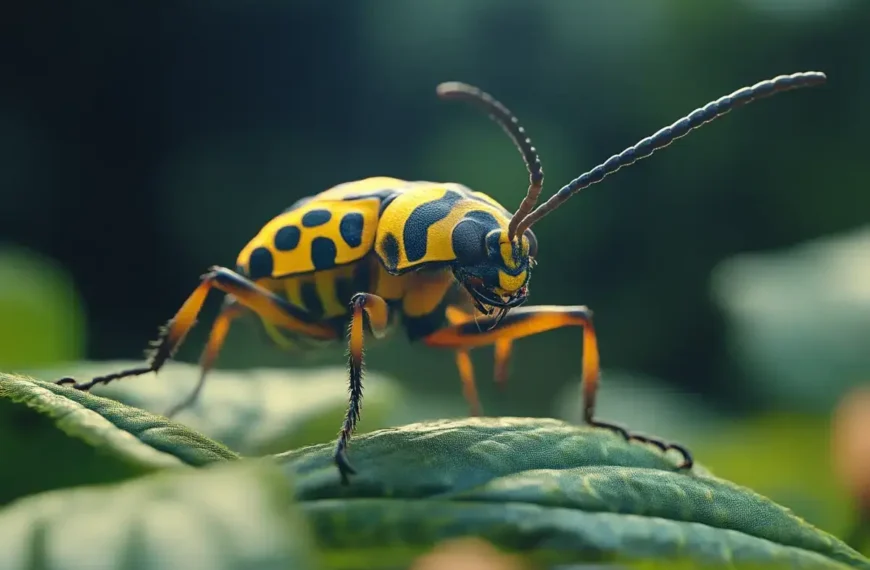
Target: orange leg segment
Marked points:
246	294
230	310
502	361
469	388
457	316
526	321
377	311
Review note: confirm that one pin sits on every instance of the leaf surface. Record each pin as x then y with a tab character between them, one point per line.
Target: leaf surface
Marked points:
558	492
262	410
232	516
57	436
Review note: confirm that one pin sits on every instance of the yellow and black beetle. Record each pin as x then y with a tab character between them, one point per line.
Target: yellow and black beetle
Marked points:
372	251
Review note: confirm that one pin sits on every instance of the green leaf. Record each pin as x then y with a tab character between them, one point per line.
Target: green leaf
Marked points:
800	360
103	440
761	451
765	451
557	492
41	311
233	516
646	403
265	410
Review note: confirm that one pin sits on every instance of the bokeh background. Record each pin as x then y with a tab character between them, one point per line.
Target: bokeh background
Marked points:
142	142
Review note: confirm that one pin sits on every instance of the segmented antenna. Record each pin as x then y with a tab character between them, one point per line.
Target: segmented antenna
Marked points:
501	115
669	134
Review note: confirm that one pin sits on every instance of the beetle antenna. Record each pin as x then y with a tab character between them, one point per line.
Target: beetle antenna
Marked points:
669	134
501	115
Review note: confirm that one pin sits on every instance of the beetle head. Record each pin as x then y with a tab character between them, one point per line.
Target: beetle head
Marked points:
494	269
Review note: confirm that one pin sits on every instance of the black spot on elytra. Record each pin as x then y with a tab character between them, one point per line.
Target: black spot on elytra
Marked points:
323	253
287	238
260	264
351	228
390	246
311	299
416	231
316	218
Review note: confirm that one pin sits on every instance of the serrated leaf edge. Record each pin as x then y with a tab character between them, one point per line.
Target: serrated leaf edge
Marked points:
98	431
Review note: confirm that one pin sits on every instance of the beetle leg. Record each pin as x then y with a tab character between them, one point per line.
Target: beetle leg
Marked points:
230	310
378	314
527	321
456	316
502	361
267	305
469	388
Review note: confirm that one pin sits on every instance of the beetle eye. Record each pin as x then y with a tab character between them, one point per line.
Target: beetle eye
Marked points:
468	242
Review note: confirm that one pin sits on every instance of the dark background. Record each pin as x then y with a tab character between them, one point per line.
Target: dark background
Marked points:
141	142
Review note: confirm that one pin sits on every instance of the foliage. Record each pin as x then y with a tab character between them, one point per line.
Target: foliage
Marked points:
120	441
41	310
195	144
762	451
233	516
258	412
542	488
800	359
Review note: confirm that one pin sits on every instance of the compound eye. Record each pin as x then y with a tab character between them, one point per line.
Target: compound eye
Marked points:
533	243
468	242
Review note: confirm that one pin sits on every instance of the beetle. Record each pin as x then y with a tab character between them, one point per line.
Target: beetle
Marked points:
364	256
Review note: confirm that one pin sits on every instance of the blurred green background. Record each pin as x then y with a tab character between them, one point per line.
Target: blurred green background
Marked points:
141	142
